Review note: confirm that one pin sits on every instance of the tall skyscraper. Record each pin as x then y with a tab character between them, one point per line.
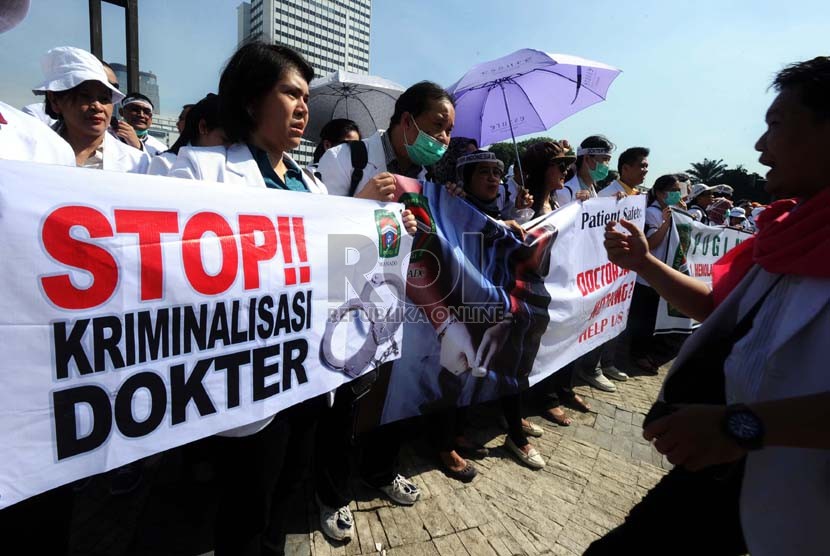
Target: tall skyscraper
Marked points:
330	34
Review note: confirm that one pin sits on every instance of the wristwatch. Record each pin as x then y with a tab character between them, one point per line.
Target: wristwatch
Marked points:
744	427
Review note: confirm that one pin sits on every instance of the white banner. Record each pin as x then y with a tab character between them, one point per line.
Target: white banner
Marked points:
693	249
525	309
141	313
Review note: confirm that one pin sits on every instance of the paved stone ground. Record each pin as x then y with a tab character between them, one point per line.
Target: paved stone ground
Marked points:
597	469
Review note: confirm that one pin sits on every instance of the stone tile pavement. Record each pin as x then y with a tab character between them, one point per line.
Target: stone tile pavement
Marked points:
597	469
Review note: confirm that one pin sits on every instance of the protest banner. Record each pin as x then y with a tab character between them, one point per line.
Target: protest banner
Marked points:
492	314
141	313
693	248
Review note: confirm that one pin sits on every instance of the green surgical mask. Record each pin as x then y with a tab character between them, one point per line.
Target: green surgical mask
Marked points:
141	133
426	150
600	172
673	198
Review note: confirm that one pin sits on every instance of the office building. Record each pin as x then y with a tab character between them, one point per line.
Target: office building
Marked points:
330	34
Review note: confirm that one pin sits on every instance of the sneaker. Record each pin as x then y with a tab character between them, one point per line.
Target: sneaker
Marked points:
532	429
599	381
532	458
614	373
336	523
402	491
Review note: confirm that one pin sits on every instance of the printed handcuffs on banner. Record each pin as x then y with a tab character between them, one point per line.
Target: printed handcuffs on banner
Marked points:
380	332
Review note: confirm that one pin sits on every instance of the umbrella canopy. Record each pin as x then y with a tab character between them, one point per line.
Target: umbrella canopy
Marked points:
367	100
537	89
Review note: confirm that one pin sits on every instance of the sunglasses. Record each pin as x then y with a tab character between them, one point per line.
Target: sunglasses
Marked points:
563	166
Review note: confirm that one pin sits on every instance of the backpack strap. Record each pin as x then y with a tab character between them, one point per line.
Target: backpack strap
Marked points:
360	158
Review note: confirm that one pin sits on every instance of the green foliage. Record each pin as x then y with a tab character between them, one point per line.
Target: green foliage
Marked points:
746	185
708	171
505	152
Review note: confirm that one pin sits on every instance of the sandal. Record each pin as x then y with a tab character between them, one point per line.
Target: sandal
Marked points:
557	415
576	402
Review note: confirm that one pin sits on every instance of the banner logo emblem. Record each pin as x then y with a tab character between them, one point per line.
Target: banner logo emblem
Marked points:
389	234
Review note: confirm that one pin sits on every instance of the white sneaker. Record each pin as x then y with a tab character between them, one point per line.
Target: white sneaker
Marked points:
614	373
532	458
598	381
336	523
402	491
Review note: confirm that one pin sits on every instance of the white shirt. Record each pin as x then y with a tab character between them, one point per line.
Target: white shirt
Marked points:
654	219
612	190
335	166
785	497
26	138
567	193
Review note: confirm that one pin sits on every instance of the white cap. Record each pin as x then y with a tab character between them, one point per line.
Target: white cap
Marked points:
66	67
737	212
723	189
12	12
698	189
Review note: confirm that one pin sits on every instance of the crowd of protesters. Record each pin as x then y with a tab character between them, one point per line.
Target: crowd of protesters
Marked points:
243	136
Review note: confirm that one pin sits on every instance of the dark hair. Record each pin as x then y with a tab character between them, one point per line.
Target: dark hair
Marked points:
250	74
206	109
681	177
186	106
417	99
660	184
443	171
812	79
630	156
334	132
594	142
535	162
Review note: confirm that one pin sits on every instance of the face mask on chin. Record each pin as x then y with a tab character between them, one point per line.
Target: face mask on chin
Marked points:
426	150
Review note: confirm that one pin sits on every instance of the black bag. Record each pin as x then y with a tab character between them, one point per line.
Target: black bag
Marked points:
360	158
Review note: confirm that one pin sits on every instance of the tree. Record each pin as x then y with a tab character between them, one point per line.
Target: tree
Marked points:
505	152
708	171
745	185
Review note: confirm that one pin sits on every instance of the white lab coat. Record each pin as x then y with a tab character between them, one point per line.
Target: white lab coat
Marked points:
567	193
120	157
335	166
612	189
785	498
38	110
233	164
27	138
161	164
153	146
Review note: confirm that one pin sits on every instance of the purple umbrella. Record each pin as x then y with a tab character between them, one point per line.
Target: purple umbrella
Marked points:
525	92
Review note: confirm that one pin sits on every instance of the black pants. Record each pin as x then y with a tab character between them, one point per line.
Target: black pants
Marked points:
445	426
557	388
641	320
248	469
379	462
511	406
685	513
333	450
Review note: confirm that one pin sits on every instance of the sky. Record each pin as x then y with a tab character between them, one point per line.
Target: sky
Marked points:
694	83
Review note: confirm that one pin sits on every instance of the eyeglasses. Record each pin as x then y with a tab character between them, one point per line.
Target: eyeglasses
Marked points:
563	166
139	110
495	172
